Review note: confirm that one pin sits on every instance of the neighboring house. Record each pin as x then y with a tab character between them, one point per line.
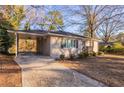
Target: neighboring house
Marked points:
108	44
54	43
120	37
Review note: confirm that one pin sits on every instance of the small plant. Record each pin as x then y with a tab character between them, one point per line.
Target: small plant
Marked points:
62	56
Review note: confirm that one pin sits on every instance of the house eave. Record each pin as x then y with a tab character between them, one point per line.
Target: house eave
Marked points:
46	34
25	33
58	35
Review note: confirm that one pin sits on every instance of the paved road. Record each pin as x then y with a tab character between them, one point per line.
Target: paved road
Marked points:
37	72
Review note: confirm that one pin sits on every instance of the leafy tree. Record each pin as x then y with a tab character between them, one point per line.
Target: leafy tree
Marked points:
14	14
10	18
6	40
27	26
52	21
55	19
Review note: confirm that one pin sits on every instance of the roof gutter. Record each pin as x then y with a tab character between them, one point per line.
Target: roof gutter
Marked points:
52	34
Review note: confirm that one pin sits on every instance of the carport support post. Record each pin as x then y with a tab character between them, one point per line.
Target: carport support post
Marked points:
17	43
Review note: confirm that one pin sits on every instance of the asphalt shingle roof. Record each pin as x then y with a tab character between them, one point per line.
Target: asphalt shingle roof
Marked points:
51	32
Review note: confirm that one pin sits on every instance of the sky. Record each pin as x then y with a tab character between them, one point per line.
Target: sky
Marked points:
40	11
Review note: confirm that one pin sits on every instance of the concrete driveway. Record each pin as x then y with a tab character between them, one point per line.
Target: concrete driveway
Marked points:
44	72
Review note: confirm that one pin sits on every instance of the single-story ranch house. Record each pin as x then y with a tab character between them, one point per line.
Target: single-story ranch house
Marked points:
54	43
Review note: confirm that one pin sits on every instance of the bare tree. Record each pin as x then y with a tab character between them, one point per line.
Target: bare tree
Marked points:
109	28
90	18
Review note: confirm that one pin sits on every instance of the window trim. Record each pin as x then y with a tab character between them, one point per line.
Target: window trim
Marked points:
69	43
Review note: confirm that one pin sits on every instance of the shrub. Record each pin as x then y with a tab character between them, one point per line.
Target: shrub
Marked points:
80	55
72	56
83	55
100	53
118	51
118	45
108	49
6	41
86	54
116	48
93	53
62	56
101	48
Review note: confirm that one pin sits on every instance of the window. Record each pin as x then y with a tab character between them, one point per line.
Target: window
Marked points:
72	43
76	43
63	43
67	43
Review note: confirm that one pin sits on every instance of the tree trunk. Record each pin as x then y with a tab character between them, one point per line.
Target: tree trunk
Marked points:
91	42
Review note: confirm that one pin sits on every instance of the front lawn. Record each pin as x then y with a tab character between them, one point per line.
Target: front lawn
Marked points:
108	69
10	72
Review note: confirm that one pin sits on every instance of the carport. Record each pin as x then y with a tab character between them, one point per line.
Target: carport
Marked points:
39	39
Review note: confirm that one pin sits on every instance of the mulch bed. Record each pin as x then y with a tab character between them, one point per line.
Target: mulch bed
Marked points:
108	70
10	72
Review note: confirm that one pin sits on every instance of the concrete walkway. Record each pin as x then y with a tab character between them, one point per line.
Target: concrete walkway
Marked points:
37	72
